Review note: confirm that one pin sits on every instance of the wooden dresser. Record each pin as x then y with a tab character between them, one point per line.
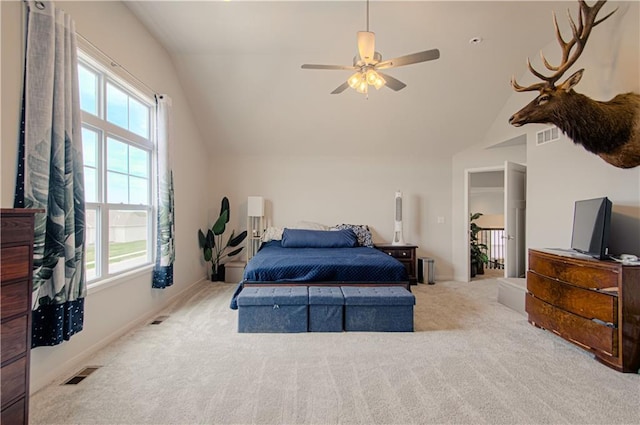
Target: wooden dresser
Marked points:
15	270
406	254
594	304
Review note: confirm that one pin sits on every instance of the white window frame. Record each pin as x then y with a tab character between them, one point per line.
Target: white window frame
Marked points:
105	129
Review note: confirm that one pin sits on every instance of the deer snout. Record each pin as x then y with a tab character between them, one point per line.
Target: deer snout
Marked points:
515	121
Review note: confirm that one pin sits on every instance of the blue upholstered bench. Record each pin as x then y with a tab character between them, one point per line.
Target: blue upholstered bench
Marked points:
378	309
325	309
282	309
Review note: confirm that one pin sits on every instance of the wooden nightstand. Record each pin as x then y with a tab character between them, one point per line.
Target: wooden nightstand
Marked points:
406	254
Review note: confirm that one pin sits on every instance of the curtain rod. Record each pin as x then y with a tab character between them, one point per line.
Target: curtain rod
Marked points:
115	64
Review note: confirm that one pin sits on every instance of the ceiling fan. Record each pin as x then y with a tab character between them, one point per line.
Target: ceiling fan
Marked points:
368	62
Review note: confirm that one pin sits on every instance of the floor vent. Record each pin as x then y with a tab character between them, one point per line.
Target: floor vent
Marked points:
159	320
80	376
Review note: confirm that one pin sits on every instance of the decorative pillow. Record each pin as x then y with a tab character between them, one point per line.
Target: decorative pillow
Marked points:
362	233
310	225
272	234
303	238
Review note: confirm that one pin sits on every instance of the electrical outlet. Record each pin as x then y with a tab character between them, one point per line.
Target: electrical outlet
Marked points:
440	220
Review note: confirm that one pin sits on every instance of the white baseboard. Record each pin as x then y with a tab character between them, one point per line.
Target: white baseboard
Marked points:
69	367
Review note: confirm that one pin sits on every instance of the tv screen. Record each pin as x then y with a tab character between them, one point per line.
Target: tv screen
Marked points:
591	222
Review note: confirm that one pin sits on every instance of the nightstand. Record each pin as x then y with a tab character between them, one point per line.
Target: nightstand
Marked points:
406	254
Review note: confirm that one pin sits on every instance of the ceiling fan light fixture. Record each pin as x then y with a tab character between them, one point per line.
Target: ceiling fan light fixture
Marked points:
379	83
363	87
355	79
372	77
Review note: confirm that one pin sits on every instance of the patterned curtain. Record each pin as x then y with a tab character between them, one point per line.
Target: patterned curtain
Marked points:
50	174
165	249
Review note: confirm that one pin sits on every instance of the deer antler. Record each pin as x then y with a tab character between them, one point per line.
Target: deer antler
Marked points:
586	22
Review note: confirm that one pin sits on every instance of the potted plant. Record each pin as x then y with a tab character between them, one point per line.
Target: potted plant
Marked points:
214	250
478	251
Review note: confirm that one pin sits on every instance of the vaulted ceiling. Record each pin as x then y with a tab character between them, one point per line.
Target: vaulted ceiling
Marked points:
239	63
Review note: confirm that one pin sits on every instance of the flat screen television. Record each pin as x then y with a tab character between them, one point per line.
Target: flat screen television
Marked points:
591	224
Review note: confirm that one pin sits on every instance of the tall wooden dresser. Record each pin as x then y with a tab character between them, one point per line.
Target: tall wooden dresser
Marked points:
594	304
16	259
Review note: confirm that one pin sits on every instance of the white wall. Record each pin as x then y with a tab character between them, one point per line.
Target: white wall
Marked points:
353	190
114	309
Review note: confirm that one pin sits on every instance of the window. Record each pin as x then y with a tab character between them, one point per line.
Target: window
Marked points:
118	147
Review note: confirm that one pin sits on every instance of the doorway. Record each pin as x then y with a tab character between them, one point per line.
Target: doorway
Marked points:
499	194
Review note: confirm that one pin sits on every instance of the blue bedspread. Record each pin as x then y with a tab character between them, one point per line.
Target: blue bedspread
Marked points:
273	263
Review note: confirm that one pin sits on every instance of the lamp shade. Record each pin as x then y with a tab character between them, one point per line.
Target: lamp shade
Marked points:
255	206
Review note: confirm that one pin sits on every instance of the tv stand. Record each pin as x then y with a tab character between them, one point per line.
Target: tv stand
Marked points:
592	303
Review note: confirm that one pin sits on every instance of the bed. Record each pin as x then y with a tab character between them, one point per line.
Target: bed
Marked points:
317	258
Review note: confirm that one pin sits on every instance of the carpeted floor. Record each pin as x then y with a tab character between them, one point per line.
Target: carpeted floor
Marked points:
470	361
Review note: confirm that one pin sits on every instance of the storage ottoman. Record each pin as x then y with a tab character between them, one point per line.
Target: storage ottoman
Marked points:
274	309
325	309
378	309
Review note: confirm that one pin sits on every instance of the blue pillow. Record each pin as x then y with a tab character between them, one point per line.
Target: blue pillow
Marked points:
302	238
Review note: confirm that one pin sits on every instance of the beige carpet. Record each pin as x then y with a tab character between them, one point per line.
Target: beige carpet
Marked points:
470	361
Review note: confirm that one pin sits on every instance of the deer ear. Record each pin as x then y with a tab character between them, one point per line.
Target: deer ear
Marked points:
572	81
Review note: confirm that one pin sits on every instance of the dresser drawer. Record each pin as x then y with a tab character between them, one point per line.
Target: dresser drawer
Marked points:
572	327
399	252
15	263
15	299
579	273
17	228
583	302
14	380
13	337
14	414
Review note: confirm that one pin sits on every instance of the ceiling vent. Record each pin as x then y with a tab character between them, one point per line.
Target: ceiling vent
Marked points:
547	135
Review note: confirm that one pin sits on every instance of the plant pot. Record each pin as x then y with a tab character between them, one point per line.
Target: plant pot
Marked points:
474	269
219	274
480	268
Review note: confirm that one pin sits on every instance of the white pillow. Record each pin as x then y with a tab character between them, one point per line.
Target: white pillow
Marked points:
310	225
272	234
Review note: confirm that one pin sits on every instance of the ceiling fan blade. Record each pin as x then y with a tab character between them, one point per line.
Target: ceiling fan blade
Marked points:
427	55
366	45
342	87
393	83
311	66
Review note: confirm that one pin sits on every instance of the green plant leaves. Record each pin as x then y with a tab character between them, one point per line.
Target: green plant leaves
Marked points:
235	252
237	240
224	206
220	224
211	240
214	252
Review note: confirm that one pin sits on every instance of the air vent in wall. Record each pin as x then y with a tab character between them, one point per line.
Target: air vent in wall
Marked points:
547	135
80	376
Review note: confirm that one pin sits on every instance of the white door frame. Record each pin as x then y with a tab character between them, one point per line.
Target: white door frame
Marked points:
467	241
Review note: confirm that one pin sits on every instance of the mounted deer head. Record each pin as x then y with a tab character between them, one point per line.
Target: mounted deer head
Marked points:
610	129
